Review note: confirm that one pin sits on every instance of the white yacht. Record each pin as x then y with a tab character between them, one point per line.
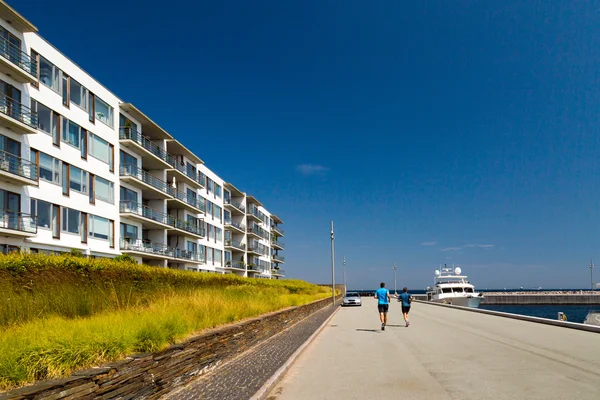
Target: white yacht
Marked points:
450	287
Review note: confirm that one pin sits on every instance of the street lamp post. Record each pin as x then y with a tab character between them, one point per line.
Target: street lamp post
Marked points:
346	288
332	266
395	291
591	275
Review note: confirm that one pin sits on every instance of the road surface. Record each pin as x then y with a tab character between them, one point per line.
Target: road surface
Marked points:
444	354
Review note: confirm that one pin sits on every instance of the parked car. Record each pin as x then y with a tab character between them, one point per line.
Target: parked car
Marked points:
352	299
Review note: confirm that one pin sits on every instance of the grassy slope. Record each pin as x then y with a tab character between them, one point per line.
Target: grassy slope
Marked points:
61	313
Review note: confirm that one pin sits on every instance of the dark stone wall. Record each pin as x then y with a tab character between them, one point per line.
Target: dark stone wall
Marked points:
149	376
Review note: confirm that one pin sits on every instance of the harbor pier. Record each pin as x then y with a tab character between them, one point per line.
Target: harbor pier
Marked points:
446	353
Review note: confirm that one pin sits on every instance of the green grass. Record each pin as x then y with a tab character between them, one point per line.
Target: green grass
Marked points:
61	313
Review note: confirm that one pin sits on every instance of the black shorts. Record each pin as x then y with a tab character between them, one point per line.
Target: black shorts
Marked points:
383	308
405	310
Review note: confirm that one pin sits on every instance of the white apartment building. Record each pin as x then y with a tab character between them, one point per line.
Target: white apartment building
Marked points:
82	169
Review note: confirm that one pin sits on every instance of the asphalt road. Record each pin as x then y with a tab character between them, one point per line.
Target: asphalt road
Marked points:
444	354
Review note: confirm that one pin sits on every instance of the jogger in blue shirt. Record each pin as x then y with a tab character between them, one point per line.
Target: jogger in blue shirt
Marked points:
406	299
383	302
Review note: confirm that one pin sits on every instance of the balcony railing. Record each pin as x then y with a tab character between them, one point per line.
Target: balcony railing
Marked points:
18	221
197	177
146	246
141	175
253	210
277	243
143	211
13	53
236	224
18	111
236	204
235	243
278	258
186	226
190	255
235	264
278	272
18	166
191	200
129	133
277	229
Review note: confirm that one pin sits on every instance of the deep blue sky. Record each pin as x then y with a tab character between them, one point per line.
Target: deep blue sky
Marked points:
441	132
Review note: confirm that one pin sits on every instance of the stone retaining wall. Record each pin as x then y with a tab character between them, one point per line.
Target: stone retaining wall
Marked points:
149	376
541	299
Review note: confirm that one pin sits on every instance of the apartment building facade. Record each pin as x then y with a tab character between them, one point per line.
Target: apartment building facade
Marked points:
82	169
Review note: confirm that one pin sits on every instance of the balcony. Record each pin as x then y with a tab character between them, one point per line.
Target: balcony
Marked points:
277	230
145	248
277	244
255	232
153	157
256	251
181	173
192	204
254	269
152	188
235	244
236	226
14	223
16	63
239	265
277	272
253	213
236	207
17	117
17	170
278	258
185	227
190	256
150	218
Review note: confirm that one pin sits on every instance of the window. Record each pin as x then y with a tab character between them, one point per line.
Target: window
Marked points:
209	185
92	190
192	247
191	171
227	215
105	190
219	234
218	191
50	167
209	207
55	221
104	112
209	254
129	231
72	133
65	90
78	179
50	75
99	227
71	220
191	196
92	107
65	181
217	212
211	231
78	94
127	159
128	195
218	256
100	148
43	211
47	121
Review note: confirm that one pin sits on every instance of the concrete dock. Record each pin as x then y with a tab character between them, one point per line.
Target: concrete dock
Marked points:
445	354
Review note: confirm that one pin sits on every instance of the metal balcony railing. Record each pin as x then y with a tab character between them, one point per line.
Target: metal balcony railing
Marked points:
277	229
143	176
146	246
236	204
143	211
190	255
278	258
16	110
129	133
235	264
18	166
236	224
191	200
186	226
12	52
197	177
277	243
235	244
18	221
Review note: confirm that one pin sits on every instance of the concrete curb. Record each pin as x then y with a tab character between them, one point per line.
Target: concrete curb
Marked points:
545	321
278	375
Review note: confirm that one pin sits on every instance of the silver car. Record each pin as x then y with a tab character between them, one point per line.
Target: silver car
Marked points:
352	299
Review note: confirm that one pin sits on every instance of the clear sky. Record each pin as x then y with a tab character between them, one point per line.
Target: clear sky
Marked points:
437	132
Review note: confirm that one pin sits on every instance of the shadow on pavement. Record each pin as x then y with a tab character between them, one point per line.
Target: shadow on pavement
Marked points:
367	330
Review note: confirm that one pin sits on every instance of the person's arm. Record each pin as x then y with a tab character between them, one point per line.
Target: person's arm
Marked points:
375	295
389	298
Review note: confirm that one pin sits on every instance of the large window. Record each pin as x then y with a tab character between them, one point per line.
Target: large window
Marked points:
50	167
129	232
71	220
127	159
73	134
105	190
50	74
218	190
47	120
104	112
99	227
99	148
128	195
78	179
216	212
218	257
43	211
192	247
219	234
78	94
209	185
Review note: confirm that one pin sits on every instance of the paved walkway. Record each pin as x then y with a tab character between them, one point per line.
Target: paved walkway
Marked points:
444	354
242	377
